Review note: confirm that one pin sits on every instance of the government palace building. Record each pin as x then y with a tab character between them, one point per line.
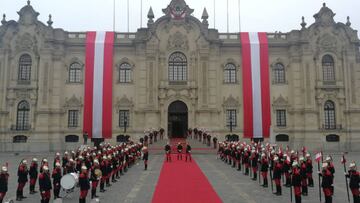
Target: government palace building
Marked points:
175	74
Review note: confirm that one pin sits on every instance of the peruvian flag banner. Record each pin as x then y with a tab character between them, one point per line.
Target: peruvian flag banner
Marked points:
256	84
98	84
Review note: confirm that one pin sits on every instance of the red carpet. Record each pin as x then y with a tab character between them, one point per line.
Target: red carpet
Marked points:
183	182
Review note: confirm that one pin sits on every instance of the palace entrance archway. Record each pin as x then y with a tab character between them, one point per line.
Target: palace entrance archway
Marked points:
177	119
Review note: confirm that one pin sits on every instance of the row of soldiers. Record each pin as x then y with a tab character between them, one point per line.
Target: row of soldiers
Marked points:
297	170
93	165
203	136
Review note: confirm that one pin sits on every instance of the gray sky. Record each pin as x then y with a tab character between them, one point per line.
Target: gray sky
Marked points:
256	15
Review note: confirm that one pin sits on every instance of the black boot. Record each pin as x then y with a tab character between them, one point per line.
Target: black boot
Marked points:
255	176
22	194
304	190
239	167
297	199
265	182
356	199
18	195
278	191
311	182
145	167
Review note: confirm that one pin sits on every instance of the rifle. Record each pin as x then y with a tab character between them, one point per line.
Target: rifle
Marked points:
271	179
319	180
346	180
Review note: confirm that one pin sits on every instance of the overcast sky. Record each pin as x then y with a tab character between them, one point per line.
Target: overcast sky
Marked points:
256	15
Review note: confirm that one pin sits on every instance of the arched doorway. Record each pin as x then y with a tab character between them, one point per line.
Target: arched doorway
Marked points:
177	119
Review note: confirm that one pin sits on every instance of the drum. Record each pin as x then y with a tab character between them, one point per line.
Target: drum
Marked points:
69	181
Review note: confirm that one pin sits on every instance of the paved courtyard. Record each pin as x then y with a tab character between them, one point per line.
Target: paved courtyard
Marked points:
231	185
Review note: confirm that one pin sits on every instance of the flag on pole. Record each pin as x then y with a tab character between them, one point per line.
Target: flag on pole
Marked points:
98	84
256	85
318	156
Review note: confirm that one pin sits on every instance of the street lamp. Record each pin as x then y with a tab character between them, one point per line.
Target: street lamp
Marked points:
125	123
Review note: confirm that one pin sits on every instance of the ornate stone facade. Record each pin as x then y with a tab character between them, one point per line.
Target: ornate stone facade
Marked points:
318	95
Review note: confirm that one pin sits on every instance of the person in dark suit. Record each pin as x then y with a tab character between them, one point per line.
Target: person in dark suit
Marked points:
145	156
188	152
168	152
179	150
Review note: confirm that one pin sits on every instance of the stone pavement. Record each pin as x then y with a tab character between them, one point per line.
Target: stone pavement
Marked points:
138	186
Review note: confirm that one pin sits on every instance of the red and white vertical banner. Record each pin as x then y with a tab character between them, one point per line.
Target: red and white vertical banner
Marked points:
98	84
256	85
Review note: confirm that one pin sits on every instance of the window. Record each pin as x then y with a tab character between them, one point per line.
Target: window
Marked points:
329	110
177	67
279	74
332	138
125	73
75	73
20	139
25	63
231	118
282	138
73	118
281	118
230	73
22	119
71	138
124	118
328	68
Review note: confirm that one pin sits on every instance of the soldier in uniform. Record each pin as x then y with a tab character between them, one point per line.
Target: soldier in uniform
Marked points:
94	178
332	170
33	173
45	185
179	150
277	175
56	175
246	160
65	160
326	184
215	142
103	169
264	169
309	170
296	181
109	170
188	152
303	175
4	177
56	159
168	152
286	169
145	157
354	177
22	180
254	163
84	184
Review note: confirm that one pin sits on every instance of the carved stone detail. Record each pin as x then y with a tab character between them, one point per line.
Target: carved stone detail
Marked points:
178	41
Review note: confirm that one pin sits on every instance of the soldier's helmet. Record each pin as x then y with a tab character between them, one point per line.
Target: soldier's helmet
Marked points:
276	158
35	159
295	164
328	159
4	169
352	165
324	165
57	164
24	161
96	162
308	155
83	168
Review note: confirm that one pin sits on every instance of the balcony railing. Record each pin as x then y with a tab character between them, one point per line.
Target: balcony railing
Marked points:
20	128
331	127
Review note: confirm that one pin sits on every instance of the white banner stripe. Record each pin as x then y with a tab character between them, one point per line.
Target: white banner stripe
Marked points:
98	84
256	84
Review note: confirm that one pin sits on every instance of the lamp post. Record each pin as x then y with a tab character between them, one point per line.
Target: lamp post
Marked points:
125	123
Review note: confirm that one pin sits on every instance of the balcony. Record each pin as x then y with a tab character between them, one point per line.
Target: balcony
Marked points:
331	127
20	128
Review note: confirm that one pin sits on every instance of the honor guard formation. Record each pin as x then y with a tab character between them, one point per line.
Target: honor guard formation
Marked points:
287	168
85	168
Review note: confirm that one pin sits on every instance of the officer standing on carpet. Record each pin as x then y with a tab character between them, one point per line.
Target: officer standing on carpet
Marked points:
168	152
188	152
179	150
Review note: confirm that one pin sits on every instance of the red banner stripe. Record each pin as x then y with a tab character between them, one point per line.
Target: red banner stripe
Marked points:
265	84
107	86
89	82
247	85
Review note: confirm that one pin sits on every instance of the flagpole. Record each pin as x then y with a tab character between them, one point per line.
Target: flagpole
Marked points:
141	12
128	16
214	14
239	16
114	18
227	15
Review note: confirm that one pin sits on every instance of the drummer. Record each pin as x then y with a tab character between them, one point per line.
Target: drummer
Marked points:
95	176
84	184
